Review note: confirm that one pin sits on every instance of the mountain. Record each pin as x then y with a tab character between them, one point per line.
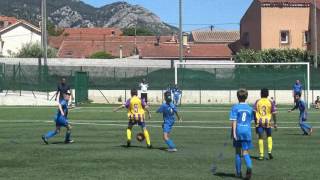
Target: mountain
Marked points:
75	13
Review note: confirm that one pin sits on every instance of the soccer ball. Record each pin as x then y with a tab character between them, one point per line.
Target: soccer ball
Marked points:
140	137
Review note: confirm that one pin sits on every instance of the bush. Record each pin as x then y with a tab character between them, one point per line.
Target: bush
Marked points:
273	56
101	55
33	50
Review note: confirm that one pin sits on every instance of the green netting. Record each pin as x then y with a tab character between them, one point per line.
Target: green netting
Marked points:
45	79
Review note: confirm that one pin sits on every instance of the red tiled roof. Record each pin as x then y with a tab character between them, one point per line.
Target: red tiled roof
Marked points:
83	49
215	36
195	51
9	20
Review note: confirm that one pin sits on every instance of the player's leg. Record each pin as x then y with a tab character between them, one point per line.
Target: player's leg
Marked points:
307	128
246	145
238	159
270	142
142	124
260	131
166	137
302	125
129	132
50	134
68	134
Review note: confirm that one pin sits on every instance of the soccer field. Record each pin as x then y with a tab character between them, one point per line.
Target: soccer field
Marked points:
203	140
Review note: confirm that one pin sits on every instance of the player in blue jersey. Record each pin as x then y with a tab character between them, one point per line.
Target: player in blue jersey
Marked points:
296	89
176	95
61	120
169	110
301	105
241	116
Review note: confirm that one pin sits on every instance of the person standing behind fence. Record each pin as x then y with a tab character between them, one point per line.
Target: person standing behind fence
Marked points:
62	89
144	90
296	89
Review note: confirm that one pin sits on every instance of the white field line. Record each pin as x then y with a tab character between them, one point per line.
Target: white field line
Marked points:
147	121
125	125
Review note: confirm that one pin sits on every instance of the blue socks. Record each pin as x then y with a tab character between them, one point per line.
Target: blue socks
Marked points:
238	164
170	144
50	134
248	161
68	134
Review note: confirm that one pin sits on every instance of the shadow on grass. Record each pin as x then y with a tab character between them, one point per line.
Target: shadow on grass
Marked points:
224	175
144	147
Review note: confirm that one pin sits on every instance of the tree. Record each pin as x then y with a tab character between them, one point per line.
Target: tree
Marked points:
53	30
33	50
139	32
101	55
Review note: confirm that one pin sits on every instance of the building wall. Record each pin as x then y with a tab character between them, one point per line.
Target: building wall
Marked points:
251	23
274	19
14	39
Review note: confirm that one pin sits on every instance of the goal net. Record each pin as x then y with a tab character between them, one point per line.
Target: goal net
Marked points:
217	83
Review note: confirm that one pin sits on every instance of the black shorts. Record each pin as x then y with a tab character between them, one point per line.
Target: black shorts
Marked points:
144	96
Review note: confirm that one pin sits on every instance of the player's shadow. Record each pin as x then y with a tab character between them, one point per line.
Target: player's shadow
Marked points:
225	175
58	142
143	147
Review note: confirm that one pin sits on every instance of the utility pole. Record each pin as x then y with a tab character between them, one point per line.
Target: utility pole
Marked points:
180	32
315	34
44	41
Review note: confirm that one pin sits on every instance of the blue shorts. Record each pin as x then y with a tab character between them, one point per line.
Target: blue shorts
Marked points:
167	127
260	130
243	144
134	122
61	121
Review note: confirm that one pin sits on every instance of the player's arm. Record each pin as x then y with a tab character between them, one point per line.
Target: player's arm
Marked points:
57	93
119	108
61	110
178	116
146	108
294	108
234	128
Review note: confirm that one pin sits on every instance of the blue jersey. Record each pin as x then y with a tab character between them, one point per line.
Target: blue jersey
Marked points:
64	105
168	111
243	114
301	105
297	88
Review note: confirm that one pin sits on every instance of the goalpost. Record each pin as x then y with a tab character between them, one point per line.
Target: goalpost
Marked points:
178	65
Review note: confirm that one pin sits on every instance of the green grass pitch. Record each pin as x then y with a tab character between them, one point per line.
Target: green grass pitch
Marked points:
202	140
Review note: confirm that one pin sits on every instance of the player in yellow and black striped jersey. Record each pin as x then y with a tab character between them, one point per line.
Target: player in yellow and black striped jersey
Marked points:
265	113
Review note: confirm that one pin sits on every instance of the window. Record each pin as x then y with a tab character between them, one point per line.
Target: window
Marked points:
1	24
284	37
306	37
245	39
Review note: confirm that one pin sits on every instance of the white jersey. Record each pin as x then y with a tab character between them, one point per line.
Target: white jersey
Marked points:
144	88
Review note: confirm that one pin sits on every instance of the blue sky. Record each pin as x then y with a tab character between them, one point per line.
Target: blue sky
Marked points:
198	14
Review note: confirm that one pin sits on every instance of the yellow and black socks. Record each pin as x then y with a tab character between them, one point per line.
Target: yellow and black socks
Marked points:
147	136
129	134
269	144
261	148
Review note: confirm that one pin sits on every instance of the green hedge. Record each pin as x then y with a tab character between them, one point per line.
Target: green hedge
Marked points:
274	55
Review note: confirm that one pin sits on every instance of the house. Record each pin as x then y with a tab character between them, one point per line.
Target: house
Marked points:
278	24
14	36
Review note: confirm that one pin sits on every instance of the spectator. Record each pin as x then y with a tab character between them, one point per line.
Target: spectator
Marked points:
144	90
62	89
317	103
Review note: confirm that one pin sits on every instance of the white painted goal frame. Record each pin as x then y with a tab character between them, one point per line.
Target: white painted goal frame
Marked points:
308	94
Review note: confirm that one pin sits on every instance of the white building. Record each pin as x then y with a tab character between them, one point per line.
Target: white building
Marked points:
13	37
